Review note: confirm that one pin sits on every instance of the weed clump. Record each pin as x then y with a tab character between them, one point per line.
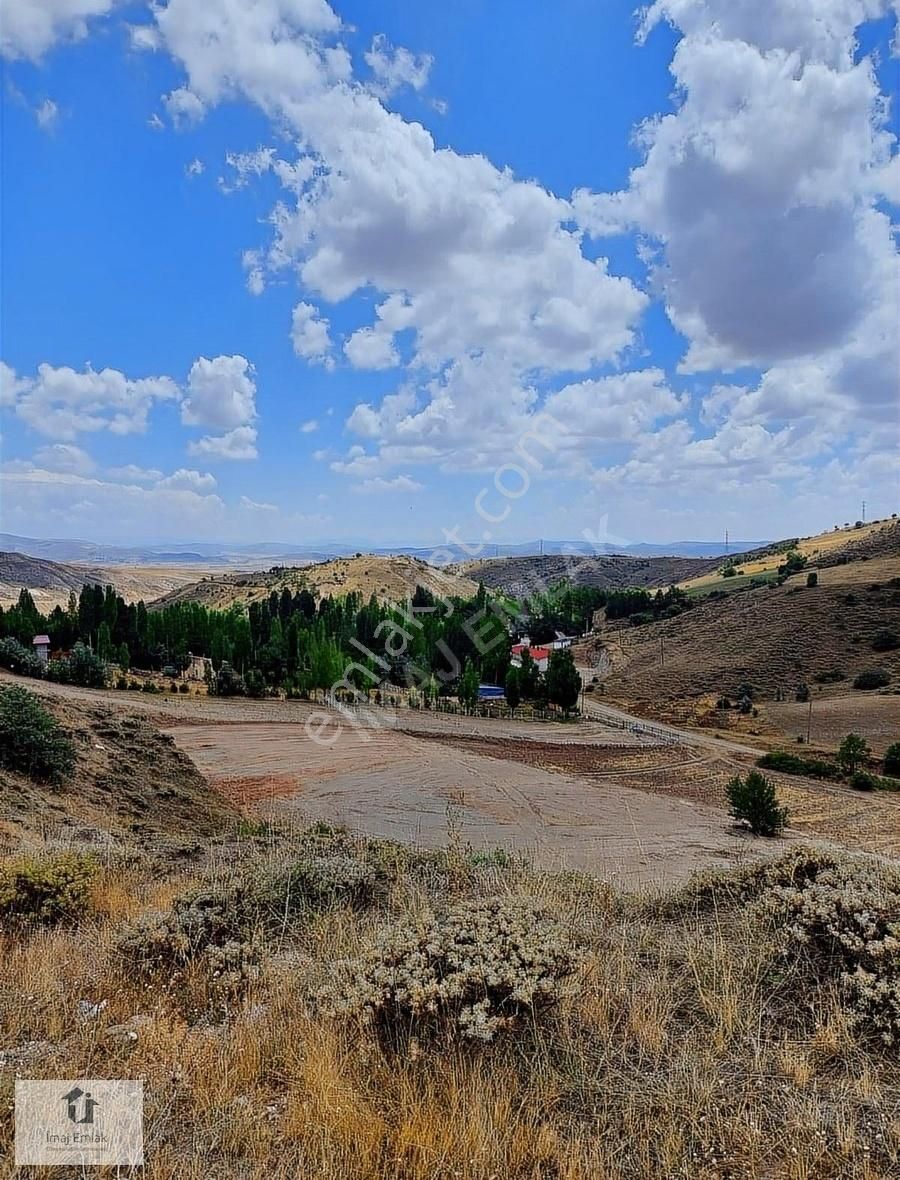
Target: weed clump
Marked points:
480	966
315	883
46	889
846	922
206	929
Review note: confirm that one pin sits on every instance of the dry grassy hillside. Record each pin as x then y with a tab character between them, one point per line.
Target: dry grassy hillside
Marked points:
525	576
390	579
771	637
318	1006
51	582
879	540
131	786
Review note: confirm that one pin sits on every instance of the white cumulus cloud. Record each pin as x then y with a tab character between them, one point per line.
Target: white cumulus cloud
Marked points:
29	28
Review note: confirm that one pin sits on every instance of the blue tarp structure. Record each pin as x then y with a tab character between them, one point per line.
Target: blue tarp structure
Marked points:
489	692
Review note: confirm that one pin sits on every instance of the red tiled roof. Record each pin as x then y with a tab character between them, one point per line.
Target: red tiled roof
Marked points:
537	653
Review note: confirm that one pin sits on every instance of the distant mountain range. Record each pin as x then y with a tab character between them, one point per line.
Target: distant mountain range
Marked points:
283	553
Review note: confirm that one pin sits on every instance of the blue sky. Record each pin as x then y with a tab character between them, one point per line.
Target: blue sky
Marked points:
274	269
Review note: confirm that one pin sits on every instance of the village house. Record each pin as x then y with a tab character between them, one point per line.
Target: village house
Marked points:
41	645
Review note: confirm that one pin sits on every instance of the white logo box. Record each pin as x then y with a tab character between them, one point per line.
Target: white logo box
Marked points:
89	1122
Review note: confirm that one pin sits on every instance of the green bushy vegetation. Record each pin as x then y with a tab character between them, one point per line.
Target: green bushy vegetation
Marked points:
16	657
754	801
32	741
873	678
290	641
793	764
885	640
570	609
46	889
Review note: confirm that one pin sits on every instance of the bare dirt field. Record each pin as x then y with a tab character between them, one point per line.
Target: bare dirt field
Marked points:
419	790
587	795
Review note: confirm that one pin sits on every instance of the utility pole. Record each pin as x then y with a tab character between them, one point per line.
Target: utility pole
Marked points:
864	512
809	721
726	542
662	652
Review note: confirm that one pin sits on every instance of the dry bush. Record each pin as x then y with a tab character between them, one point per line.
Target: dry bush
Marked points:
846	922
718	888
205	932
315	882
480	965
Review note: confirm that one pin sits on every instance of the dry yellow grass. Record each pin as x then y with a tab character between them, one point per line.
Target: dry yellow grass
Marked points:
683	1049
390	579
818	547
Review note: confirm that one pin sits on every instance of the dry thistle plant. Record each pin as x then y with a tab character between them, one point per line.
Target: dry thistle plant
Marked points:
481	965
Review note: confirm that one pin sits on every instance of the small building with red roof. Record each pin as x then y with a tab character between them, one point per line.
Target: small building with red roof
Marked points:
540	655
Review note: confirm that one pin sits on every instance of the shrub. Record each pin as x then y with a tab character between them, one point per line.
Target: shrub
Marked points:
793	563
874	678
227	683
860	780
183	688
831	676
754	802
717	888
641	618
17	658
852	751
812	579
892	759
32	741
480	966
208	929
313	883
845	923
885	640
122	682
82	667
794	764
802	693
46	889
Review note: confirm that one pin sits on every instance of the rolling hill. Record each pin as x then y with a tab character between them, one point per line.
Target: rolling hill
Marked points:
772	637
524	576
51	582
390	579
839	547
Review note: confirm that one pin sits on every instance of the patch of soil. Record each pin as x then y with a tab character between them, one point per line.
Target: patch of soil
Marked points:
131	785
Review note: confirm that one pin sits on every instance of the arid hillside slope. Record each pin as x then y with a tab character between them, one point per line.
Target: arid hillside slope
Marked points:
131	787
877	541
771	637
390	579
51	582
524	576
